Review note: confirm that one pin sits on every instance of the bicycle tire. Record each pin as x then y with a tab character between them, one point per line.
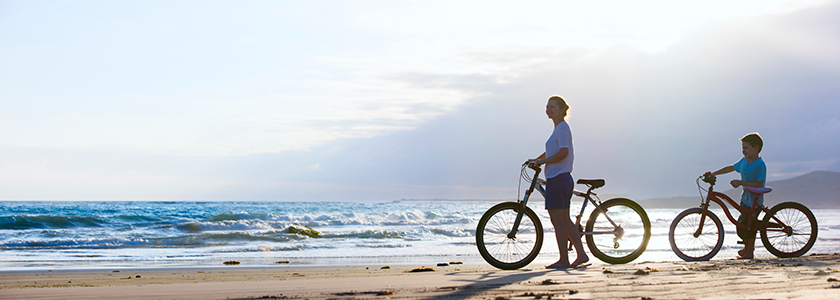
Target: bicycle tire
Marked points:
626	246
699	248
802	223
491	236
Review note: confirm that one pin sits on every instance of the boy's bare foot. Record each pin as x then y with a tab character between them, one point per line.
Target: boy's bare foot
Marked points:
742	252
580	261
745	255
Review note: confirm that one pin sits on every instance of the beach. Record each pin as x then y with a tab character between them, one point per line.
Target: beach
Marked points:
176	250
809	277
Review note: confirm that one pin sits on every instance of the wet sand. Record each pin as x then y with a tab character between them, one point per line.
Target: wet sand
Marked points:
808	277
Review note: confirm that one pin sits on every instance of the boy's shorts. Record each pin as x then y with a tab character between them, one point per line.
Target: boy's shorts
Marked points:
558	191
743	233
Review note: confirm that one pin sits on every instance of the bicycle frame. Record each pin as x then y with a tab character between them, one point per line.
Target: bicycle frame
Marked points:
721	199
587	196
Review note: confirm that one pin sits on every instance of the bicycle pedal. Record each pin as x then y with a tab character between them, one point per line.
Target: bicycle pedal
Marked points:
740	242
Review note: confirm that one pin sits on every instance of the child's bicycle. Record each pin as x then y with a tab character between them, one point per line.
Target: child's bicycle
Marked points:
789	229
509	235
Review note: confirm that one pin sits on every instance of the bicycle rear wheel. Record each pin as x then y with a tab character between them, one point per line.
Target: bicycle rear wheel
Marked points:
799	234
502	251
622	244
694	248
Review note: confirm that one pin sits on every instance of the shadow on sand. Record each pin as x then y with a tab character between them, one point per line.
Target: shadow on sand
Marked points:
490	281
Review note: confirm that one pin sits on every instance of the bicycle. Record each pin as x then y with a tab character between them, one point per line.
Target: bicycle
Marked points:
509	235
789	229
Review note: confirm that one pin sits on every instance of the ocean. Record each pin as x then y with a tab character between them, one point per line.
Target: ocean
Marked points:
141	234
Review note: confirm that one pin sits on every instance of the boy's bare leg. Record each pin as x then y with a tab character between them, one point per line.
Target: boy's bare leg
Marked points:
749	249
561	233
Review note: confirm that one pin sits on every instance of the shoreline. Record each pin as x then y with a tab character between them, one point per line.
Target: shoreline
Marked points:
245	262
809	277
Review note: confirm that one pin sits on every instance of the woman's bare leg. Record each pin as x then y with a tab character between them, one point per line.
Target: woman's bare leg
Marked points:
558	219
574	236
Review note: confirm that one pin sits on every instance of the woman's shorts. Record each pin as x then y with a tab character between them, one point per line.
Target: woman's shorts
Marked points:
743	233
558	191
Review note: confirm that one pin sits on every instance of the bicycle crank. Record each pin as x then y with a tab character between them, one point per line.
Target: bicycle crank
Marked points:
618	235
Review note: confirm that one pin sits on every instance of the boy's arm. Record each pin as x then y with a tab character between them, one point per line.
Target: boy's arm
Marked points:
756	184
724	170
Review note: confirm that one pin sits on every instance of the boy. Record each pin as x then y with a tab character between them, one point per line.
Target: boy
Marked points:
753	173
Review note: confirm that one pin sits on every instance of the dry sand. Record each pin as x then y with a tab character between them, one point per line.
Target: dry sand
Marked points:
809	277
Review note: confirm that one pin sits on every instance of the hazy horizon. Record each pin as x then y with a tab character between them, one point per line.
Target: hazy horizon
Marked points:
356	101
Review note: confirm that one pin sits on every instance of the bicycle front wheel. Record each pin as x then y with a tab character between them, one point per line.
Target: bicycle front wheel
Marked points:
502	249
691	247
799	230
620	243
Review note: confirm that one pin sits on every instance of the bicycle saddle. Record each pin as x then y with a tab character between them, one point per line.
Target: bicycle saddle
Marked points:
759	191
593	183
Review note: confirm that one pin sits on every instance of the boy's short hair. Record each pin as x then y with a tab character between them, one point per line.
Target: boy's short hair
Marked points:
754	140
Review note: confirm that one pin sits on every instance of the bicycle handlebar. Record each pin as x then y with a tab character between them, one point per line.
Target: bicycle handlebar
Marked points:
709	178
534	166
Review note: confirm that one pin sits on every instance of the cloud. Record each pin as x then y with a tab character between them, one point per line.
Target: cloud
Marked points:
646	121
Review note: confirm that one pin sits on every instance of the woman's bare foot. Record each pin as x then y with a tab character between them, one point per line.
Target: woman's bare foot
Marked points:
558	265
581	259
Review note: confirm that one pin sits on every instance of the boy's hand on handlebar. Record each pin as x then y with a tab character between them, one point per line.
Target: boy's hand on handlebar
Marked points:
709	178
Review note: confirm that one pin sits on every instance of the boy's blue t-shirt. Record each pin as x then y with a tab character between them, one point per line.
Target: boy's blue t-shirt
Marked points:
755	171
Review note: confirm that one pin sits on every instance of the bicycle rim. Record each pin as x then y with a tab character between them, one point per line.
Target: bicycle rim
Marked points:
502	251
621	248
799	239
702	247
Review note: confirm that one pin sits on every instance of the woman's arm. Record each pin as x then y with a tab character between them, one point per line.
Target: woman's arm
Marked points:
557	157
534	160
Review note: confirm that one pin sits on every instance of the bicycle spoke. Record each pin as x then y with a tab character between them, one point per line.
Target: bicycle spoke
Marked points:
618	231
800	237
499	246
689	247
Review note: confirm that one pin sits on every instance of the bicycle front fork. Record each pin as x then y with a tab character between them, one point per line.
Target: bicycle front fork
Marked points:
703	209
519	213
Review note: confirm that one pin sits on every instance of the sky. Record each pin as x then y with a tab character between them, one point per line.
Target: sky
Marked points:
384	100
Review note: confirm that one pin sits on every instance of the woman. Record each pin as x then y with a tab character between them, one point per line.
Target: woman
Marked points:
559	157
